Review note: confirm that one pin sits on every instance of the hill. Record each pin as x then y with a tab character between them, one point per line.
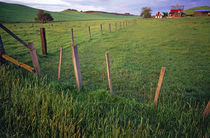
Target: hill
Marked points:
20	13
191	10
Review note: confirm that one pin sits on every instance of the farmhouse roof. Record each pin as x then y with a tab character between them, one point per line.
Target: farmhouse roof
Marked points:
203	10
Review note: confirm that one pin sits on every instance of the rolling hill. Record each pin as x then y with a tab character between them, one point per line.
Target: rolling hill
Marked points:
20	13
191	10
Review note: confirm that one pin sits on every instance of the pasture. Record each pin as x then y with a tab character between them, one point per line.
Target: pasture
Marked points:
19	13
34	106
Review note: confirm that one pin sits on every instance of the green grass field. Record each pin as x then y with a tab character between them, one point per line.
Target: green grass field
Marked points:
20	13
42	107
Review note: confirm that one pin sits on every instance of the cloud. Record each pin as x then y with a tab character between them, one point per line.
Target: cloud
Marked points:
131	6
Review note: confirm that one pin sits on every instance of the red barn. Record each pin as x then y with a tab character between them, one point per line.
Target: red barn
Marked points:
176	11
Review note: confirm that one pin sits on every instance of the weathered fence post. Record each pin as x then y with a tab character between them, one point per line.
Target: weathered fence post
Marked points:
120	25
207	110
108	73
72	37
75	58
89	32
101	29
2	51
159	84
43	41
110	28
34	58
60	62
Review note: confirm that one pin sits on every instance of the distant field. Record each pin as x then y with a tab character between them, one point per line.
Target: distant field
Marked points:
20	13
191	10
42	107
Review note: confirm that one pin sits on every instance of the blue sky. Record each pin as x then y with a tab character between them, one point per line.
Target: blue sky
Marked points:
120	6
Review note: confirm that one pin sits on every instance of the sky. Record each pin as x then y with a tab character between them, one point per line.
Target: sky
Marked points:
119	6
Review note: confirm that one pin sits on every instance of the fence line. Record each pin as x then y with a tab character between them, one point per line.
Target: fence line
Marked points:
34	53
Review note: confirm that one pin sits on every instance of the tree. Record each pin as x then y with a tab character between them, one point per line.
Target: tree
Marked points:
146	12
43	17
165	14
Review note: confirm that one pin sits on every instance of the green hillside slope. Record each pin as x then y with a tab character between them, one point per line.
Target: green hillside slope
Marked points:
191	10
20	13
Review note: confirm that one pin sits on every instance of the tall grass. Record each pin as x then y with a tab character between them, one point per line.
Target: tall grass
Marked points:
40	107
35	107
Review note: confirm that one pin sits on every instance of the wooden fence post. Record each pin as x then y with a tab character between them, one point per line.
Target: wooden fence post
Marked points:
34	58
110	28
75	58
101	29
2	51
159	84
60	62
120	25
72	37
89	32
108	73
43	41
207	110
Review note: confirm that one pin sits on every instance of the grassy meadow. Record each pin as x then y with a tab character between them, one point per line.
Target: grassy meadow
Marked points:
32	106
19	13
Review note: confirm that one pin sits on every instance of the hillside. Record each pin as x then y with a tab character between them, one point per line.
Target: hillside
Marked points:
191	10
20	13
